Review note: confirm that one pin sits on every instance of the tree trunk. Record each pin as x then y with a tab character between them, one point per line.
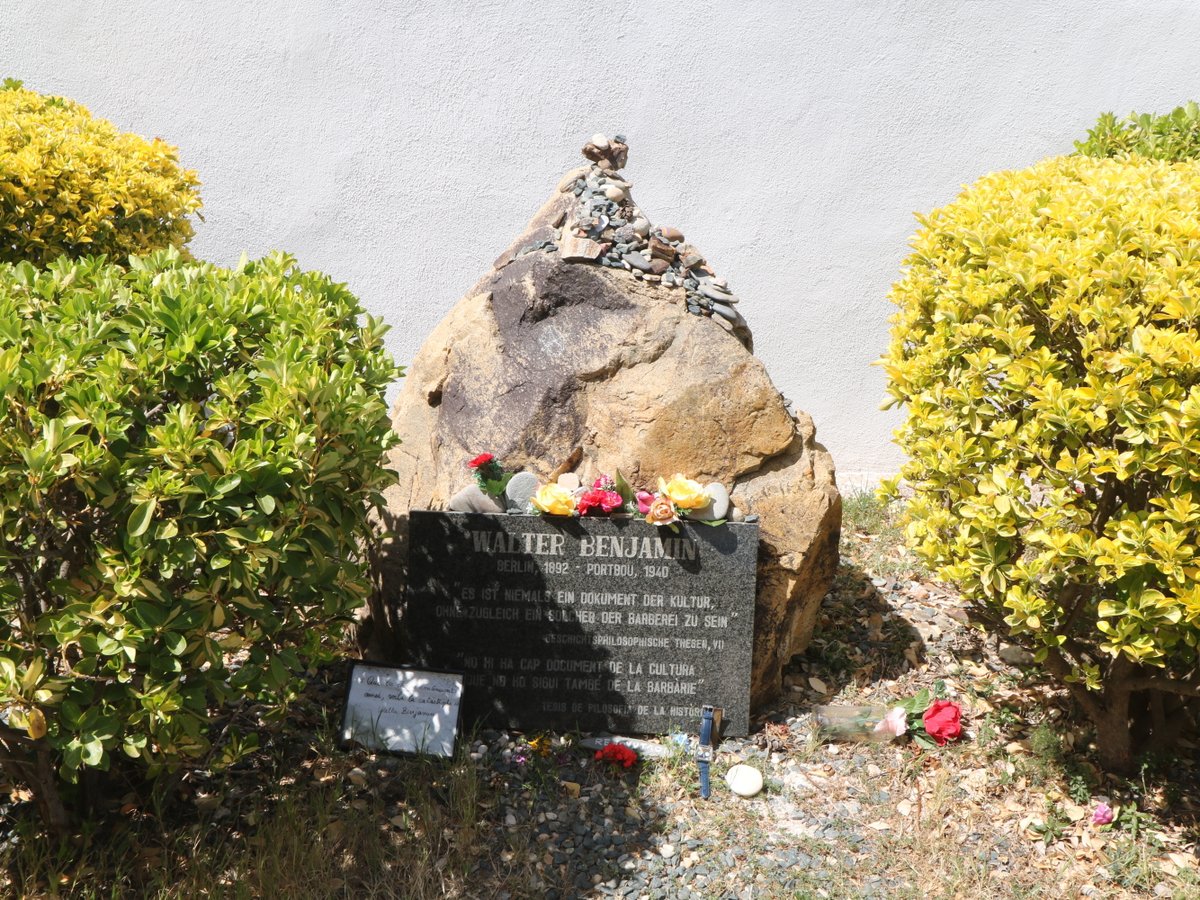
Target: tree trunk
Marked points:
35	768
1114	743
45	791
1114	725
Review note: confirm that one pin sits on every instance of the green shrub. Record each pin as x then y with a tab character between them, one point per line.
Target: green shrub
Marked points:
74	185
1174	137
188	455
1048	351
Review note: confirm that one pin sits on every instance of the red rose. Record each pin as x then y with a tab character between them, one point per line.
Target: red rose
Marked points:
605	501
942	721
481	460
593	499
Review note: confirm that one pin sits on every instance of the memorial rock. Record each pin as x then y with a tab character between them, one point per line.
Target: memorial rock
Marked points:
599	331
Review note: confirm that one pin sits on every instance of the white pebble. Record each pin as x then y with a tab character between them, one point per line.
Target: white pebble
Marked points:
743	780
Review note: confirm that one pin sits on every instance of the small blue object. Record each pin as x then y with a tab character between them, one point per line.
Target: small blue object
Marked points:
704	753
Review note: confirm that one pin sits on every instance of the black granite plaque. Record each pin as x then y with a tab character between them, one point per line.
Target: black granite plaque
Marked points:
595	624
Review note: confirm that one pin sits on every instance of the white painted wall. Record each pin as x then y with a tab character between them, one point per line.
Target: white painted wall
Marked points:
400	146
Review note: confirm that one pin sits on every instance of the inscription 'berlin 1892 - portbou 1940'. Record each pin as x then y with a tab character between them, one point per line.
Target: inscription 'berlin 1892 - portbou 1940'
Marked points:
585	623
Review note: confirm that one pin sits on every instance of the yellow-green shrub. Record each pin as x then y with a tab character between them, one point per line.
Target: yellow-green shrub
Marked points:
71	184
1048	351
188	457
1173	137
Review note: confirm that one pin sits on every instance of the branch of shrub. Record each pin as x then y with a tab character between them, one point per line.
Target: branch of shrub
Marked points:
1166	685
1060	668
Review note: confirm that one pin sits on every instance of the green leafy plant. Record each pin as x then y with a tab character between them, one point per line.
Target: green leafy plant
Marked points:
1173	137
1047	346
71	184
188	456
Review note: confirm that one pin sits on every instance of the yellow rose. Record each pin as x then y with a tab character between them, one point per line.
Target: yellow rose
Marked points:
684	493
554	500
661	512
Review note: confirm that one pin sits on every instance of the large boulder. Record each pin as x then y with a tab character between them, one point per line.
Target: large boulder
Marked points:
567	344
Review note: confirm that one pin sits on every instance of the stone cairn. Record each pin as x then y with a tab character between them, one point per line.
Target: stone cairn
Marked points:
609	229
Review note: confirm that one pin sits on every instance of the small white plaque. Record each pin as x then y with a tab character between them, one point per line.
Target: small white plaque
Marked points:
402	710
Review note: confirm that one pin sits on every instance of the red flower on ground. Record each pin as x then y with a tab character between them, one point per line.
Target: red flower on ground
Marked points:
943	721
617	754
481	460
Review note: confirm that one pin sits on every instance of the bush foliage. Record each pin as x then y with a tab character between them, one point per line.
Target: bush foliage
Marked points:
74	185
188	455
1174	137
1048	351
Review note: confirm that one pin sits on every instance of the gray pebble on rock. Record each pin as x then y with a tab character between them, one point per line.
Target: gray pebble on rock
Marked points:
728	313
714	293
520	488
472	499
637	261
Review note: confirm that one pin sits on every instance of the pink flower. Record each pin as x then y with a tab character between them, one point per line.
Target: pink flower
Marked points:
894	723
604	483
1103	814
644	499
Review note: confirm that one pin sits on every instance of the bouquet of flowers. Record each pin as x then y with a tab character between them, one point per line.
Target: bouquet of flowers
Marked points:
930	722
675	499
489	474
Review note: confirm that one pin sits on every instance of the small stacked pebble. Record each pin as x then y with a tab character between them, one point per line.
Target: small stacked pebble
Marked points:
609	229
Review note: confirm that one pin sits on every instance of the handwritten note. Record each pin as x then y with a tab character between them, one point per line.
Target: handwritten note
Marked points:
402	710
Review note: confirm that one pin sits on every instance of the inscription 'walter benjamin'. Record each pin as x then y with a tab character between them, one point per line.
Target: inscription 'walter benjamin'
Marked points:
602	545
587	623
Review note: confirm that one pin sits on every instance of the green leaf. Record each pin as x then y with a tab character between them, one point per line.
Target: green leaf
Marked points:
918	703
625	489
495	486
133	745
226	484
266	503
175	643
139	519
92	752
921	739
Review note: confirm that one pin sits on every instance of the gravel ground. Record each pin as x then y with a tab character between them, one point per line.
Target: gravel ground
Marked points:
834	820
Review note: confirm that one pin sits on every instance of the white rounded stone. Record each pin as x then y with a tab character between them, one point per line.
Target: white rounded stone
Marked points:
743	780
